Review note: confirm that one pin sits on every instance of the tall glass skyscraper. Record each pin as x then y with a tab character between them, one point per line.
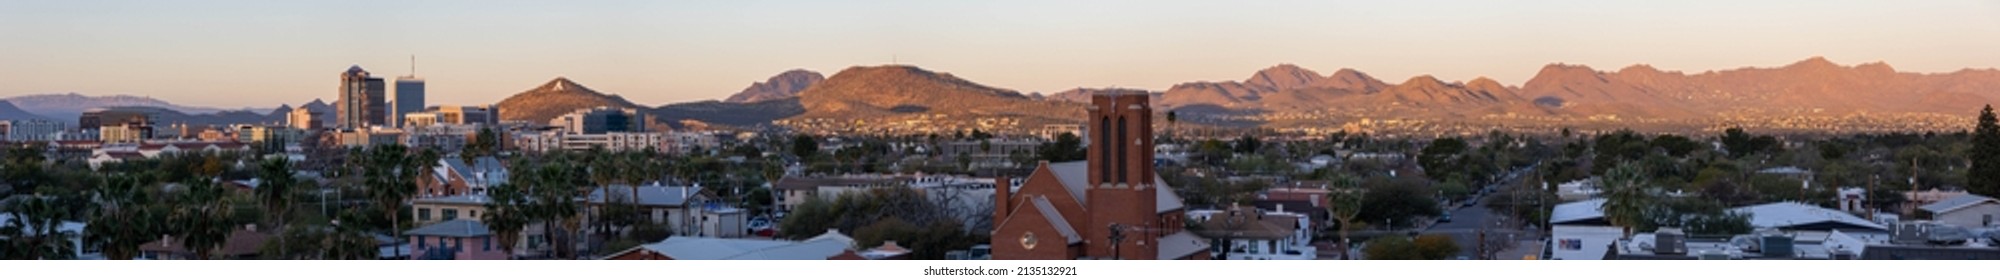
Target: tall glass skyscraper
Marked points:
409	99
361	97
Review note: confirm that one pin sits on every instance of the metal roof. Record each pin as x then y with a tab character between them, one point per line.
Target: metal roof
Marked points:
706	248
654	195
453	228
1956	202
1789	215
1075	176
1580	212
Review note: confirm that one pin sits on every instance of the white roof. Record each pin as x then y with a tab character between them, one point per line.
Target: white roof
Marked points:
1790	214
1956	202
705	248
7	219
651	195
1578	211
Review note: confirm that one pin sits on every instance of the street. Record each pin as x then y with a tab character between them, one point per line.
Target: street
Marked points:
1467	223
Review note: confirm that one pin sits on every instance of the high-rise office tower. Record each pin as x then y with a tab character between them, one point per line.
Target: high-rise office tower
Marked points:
409	98
361	99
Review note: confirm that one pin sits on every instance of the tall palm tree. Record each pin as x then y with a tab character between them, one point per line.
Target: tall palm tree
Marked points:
390	174
123	220
1626	197
203	217
274	192
505	215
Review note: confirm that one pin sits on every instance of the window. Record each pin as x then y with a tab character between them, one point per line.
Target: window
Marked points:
450	214
1572	244
1986	220
1121	147
472	214
421	243
489	243
458	244
423	214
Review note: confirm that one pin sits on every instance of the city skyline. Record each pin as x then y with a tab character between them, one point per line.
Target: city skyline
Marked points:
230	55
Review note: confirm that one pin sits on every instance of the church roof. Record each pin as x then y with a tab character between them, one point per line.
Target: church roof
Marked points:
1075	176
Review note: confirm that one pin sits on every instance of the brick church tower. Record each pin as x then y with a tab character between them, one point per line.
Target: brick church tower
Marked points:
1120	194
1110	205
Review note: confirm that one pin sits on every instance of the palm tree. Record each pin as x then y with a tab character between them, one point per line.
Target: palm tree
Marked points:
554	187
275	193
35	232
390	175
1344	205
123	221
505	215
1626	197
202	217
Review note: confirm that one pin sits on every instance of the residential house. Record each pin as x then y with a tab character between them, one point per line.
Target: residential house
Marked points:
1580	189
967	199
439	209
1255	234
1914	198
1579	231
795	190
684	209
1968	210
461	239
829	246
455	176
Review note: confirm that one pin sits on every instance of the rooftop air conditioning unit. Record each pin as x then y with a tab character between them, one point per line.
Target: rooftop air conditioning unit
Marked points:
1777	246
1669	241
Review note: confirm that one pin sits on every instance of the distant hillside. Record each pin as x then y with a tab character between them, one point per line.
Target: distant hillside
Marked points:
9	112
729	113
1813	84
784	85
1082	95
554	98
891	90
67	106
877	98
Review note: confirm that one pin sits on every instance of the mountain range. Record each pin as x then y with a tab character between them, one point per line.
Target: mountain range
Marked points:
9	112
870	98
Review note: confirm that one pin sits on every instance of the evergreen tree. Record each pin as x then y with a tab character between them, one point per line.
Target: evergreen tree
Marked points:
1984	176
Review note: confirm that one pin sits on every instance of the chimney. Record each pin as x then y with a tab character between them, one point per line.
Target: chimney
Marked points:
1001	194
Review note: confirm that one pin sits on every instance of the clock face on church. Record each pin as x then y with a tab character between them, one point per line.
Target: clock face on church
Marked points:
1028	241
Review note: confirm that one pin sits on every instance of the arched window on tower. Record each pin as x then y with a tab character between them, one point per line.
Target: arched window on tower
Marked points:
1103	148
1122	150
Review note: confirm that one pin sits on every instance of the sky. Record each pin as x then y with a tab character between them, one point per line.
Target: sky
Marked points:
236	54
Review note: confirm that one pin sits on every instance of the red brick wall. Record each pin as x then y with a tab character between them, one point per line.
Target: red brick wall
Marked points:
1050	245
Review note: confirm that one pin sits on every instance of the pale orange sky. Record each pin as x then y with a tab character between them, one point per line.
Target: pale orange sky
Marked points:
236	54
